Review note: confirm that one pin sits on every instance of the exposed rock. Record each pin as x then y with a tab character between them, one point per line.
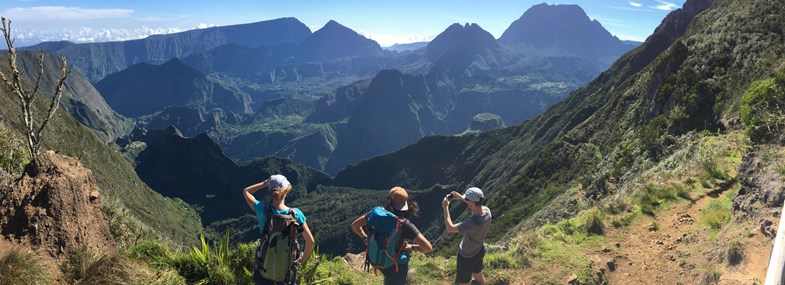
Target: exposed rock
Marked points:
355	261
611	265
767	229
573	280
761	185
55	207
686	219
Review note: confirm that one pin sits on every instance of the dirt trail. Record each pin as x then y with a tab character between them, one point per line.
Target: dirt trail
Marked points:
676	249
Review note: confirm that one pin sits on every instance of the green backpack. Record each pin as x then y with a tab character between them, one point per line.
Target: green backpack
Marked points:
279	247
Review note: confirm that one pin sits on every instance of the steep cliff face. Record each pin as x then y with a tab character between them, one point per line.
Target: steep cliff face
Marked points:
55	207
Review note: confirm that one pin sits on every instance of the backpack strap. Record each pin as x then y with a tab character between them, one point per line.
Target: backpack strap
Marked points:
268	223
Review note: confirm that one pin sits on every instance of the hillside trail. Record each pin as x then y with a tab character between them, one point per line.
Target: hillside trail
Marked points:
678	249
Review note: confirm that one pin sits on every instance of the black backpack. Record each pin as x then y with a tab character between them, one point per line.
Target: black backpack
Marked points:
278	248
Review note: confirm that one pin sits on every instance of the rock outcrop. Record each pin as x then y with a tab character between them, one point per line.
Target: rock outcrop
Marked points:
55	207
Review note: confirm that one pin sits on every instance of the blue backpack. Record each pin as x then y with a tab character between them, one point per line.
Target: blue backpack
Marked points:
385	242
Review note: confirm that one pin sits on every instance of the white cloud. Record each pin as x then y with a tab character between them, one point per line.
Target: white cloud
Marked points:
665	6
87	34
65	13
205	26
391	39
635	4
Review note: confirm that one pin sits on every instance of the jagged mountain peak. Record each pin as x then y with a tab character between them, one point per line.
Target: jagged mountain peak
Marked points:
471	38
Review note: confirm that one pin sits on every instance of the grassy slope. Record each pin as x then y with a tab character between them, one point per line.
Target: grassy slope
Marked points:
150	213
687	88
529	164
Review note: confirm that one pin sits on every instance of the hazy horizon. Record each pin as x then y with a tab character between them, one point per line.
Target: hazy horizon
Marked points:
387	23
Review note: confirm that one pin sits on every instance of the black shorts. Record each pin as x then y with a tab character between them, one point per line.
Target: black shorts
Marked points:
469	265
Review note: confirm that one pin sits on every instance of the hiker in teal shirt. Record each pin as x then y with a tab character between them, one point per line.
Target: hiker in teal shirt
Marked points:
279	186
397	203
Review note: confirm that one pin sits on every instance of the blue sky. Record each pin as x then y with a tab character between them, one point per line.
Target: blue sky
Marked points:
387	22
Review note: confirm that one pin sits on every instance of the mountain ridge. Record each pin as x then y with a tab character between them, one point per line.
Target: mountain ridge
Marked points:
110	57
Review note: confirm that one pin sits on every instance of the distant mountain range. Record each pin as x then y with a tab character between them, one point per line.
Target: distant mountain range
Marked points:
407	46
318	101
97	60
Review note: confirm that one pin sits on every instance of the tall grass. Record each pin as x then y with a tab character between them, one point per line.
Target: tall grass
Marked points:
717	213
734	252
591	221
19	267
85	266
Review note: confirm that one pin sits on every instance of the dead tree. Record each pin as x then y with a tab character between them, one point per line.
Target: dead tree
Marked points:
26	96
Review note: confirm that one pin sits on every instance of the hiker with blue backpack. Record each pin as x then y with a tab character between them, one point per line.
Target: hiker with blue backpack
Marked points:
278	255
391	237
474	230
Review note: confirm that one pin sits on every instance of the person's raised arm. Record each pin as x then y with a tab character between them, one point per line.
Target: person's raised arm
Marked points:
448	225
309	241
248	192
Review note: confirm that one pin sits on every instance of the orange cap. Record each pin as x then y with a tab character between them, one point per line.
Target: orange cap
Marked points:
399	198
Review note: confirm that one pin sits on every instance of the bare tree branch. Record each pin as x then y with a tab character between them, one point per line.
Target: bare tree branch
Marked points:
26	98
40	74
64	72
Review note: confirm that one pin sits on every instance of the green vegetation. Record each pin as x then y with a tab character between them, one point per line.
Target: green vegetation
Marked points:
717	213
19	267
564	244
88	267
762	109
734	251
224	264
711	275
13	156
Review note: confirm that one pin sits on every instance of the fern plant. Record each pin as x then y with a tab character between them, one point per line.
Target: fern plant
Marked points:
307	273
201	257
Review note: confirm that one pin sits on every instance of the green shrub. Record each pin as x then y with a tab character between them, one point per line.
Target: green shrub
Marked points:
18	267
220	275
711	275
623	220
168	277
761	110
651	197
682	191
652	135
500	260
13	153
152	252
735	252
592	221
646	199
241	260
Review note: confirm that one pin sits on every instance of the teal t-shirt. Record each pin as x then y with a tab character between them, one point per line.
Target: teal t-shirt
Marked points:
261	214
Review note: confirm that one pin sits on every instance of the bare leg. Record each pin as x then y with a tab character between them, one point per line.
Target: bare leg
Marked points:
479	278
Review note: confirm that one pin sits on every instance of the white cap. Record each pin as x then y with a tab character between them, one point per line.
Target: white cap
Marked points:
473	194
278	182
